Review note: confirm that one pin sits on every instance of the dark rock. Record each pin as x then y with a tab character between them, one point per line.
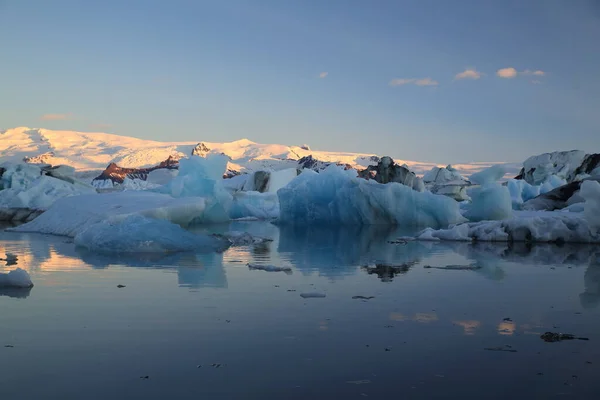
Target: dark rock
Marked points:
387	171
200	150
118	174
121	286
589	164
261	180
555	199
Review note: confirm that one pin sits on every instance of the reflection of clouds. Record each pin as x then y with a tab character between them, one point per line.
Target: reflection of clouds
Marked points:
506	328
323	325
423	318
469	327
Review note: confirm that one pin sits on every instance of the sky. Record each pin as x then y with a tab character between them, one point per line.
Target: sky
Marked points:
428	80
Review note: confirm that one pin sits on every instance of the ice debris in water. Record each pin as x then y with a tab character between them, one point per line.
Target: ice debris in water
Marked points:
269	268
18	278
337	196
244	238
10	259
138	234
558	337
312	295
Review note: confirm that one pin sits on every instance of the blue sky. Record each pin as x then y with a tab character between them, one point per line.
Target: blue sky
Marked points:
376	76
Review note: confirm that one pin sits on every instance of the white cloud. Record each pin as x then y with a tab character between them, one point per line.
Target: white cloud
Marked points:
323	75
507	73
413	81
537	72
55	117
469	73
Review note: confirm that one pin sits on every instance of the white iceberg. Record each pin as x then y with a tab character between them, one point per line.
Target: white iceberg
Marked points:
254	205
490	202
563	164
488	175
70	216
139	234
337	196
590	191
19	278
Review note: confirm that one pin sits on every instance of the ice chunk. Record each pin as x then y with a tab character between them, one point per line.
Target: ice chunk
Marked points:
313	295
255	205
488	175
590	191
537	169
540	227
439	175
279	179
139	234
270	268
203	177
19	278
41	193
521	191
490	202
337	196
162	176
71	215
244	238
236	183
19	175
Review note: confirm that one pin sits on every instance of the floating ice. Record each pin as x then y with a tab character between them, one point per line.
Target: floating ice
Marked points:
445	175
537	169
269	268
203	177
71	215
558	227
244	238
162	176
18	278
590	191
337	196
254	204
280	179
490	202
138	234
488	175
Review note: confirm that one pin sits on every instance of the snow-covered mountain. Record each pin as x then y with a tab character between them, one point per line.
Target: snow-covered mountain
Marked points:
94	151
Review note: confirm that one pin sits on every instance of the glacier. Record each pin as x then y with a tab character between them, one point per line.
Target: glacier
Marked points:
338	196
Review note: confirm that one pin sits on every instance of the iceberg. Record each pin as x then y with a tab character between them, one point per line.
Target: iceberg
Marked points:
488	175
490	202
540	227
139	234
254	205
202	177
337	196
590	191
71	215
19	278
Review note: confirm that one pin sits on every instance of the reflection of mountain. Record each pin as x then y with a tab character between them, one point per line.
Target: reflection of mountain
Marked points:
340	251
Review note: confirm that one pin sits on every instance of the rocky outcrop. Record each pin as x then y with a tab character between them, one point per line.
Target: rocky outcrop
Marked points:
309	162
387	171
40	159
568	165
558	198
118	174
200	150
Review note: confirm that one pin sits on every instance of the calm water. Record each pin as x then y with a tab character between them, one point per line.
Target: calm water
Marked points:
204	326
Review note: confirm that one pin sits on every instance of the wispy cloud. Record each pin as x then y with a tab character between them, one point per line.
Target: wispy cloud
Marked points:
55	117
323	75
507	73
511	72
469	73
414	81
537	72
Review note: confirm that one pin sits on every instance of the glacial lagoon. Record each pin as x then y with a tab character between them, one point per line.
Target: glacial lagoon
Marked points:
355	317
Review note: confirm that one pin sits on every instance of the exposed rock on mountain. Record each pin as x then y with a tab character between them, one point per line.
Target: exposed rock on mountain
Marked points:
200	150
118	174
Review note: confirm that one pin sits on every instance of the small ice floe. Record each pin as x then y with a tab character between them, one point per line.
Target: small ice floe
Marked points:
363	297
505	348
470	267
269	268
10	259
400	241
559	337
19	278
312	295
244	238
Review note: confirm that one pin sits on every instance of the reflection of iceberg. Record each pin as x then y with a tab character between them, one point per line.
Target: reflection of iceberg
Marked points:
590	298
341	250
18	293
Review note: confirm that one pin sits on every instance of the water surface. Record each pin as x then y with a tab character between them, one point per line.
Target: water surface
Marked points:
205	326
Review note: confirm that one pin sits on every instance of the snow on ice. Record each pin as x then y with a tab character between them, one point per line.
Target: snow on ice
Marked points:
18	278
